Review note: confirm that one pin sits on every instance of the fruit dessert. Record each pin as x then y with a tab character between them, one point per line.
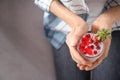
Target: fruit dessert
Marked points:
91	45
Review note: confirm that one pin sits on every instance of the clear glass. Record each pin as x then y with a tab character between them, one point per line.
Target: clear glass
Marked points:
95	57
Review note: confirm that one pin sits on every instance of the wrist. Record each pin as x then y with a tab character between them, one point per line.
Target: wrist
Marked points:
109	17
79	23
104	21
80	28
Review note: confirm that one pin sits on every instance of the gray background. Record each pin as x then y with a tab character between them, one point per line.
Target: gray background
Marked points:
25	54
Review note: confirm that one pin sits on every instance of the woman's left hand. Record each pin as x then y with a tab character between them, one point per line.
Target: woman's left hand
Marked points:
104	21
98	24
99	60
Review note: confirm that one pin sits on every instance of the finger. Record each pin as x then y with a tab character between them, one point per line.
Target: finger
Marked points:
75	55
78	65
78	57
75	59
73	51
68	37
72	54
81	67
99	60
75	40
96	63
76	35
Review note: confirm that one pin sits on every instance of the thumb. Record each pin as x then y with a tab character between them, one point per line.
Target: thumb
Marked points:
75	40
76	35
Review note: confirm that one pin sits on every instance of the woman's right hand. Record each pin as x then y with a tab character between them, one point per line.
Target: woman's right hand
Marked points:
73	40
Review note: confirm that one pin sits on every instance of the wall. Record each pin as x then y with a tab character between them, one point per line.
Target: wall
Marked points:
25	54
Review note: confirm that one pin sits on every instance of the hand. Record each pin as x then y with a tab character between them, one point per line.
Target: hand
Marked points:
104	55
72	41
99	24
104	21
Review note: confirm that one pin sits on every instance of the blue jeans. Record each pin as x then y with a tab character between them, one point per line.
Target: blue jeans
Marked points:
109	69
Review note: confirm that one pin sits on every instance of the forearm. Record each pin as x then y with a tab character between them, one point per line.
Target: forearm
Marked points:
66	15
107	19
111	16
114	12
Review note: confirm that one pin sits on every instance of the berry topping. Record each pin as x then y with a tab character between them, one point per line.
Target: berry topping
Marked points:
96	44
95	52
82	45
92	46
88	36
91	41
98	47
89	50
83	39
97	39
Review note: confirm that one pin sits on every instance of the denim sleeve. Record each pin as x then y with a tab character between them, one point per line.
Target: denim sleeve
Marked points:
43	4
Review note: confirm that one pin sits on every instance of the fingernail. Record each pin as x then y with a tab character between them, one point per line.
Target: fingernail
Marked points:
77	65
87	69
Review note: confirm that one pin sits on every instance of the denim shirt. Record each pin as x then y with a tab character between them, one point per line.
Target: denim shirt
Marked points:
56	29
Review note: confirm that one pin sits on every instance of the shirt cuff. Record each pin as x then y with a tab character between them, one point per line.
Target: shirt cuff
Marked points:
111	3
43	4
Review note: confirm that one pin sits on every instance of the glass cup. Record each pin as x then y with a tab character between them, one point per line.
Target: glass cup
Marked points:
91	57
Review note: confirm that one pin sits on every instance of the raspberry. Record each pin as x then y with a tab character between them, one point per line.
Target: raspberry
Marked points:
83	41
91	41
86	41
82	45
89	50
92	46
88	36
96	43
82	50
98	47
96	39
95	52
